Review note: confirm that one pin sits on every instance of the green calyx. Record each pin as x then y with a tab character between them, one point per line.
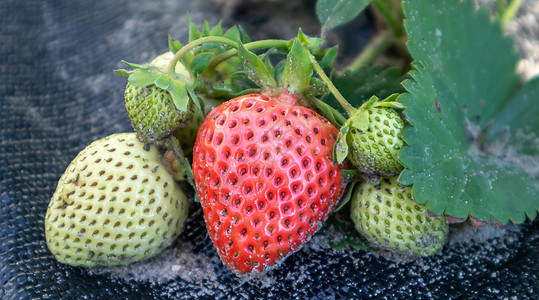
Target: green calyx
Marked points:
371	137
295	73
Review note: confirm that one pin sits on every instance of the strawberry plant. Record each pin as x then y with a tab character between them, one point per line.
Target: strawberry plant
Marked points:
429	125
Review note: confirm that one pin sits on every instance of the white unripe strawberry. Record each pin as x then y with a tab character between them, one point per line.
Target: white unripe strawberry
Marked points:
115	204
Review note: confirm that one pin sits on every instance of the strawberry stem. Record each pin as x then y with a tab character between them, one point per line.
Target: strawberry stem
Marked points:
385	11
193	44
264	44
372	50
224	56
350	110
508	13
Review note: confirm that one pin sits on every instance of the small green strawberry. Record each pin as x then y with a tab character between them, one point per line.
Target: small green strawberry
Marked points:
376	149
115	204
158	101
371	138
387	216
152	112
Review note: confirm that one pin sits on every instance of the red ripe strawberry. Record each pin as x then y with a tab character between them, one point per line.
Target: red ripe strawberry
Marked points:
264	172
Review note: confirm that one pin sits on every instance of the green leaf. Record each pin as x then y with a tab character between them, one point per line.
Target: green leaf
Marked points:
269	64
122	72
518	122
173	45
255	68
279	70
162	82
332	13
391	98
180	97
194	34
346	198
340	149
142	78
190	177
327	111
328	58
200	63
371	101
206	29
302	38
390	101
217	30
244	36
437	39
192	94
318	86
233	33
136	66
298	69
464	81
360	120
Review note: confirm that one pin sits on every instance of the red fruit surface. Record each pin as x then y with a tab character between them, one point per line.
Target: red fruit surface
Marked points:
265	176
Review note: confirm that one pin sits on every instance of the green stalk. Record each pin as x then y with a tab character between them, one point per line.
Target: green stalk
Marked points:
264	44
193	44
350	110
371	51
511	11
385	11
224	56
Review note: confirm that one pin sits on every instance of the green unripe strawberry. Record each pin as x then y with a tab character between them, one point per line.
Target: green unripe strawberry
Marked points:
387	216
152	112
375	149
115	204
157	99
372	137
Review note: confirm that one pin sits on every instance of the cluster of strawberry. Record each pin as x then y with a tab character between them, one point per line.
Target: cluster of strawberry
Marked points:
269	166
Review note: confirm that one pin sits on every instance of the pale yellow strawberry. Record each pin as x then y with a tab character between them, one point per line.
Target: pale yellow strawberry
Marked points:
115	204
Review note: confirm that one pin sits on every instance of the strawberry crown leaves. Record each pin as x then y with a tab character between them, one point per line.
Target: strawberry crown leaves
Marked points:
174	45
256	69
298	70
295	72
